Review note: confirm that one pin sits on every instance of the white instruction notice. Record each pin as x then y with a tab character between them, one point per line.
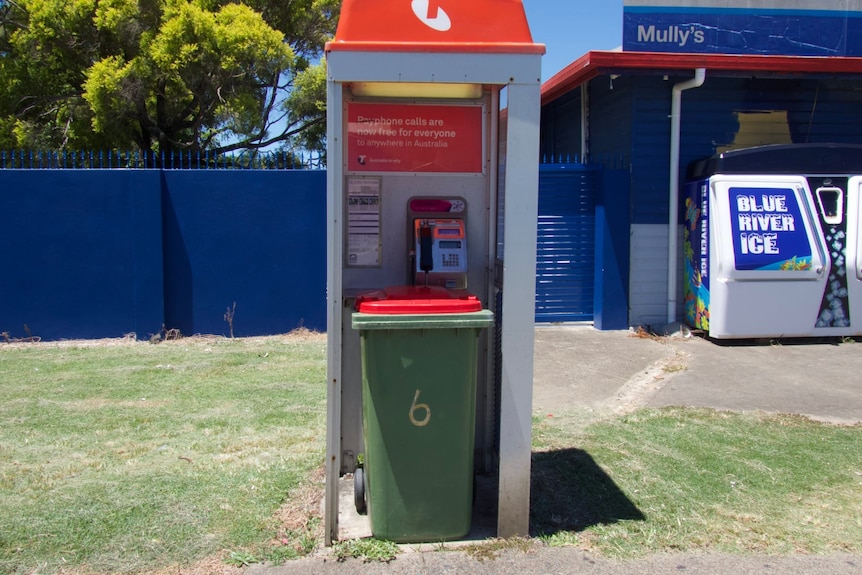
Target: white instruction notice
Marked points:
363	222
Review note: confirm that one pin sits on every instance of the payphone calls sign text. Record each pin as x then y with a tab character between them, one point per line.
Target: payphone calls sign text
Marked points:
768	230
414	138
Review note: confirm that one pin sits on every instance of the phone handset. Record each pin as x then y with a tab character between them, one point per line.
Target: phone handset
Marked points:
426	254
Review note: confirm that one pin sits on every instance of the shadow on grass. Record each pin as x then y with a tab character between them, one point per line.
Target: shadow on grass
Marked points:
570	492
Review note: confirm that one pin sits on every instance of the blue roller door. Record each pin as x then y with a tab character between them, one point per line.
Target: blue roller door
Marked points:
565	257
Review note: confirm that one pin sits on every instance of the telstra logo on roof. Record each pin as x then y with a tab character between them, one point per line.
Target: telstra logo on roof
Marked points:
432	14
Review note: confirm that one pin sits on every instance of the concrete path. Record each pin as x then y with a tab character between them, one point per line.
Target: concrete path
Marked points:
570	561
582	368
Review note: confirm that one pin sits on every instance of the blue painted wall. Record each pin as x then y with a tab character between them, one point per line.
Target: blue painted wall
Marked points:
718	116
610	119
612	252
254	238
76	261
102	253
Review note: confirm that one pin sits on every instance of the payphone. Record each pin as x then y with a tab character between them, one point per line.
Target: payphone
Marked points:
438	255
442	249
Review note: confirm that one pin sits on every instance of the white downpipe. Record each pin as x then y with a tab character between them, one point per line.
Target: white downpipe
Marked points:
672	236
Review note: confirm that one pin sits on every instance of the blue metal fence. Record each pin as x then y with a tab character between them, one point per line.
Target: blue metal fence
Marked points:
565	263
177	160
582	243
605	161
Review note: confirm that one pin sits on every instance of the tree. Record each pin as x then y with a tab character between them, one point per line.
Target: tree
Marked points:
163	75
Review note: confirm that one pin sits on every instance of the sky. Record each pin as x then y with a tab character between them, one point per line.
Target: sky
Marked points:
571	28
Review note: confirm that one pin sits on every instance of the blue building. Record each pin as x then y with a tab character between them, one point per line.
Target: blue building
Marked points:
642	117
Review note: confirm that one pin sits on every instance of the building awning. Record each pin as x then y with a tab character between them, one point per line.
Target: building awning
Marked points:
474	26
594	64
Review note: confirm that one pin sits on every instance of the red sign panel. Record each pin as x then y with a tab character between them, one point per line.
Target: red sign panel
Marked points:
414	138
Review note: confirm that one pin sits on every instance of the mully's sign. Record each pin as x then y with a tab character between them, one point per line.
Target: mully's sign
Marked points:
774	27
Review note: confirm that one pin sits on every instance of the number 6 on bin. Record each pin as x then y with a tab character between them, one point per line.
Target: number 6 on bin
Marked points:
419	406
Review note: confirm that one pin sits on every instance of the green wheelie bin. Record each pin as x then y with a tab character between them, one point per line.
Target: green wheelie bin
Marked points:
419	349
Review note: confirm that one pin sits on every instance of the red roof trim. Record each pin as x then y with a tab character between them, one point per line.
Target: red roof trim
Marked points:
593	64
428	47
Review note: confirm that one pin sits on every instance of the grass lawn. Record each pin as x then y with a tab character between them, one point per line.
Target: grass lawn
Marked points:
202	453
696	479
126	456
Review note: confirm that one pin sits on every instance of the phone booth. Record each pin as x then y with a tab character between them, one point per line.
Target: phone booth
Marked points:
432	211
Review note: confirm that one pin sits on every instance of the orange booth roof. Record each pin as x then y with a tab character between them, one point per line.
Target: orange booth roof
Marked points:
471	26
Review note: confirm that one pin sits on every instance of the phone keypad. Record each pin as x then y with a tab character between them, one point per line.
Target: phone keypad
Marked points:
451	260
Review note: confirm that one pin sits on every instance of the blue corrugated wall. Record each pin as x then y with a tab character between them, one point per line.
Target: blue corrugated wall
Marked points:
712	119
629	122
560	130
103	253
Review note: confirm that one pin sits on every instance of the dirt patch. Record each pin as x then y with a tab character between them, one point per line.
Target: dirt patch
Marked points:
643	386
302	511
214	565
131	339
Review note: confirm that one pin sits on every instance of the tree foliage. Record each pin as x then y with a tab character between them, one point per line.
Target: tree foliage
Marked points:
163	75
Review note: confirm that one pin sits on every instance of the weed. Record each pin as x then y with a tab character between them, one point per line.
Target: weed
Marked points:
368	550
242	559
228	317
645	332
29	339
676	364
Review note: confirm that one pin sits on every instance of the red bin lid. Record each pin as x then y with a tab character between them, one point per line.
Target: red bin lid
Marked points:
418	300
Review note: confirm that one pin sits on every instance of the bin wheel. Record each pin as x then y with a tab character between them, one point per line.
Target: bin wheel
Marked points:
359	490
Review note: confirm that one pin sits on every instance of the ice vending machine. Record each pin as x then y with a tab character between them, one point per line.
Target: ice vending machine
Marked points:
772	242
